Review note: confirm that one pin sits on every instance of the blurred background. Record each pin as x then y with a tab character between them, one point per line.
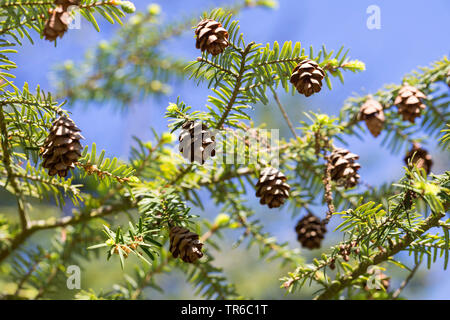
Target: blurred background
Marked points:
412	34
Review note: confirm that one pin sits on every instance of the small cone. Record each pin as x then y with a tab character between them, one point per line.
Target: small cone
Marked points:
196	142
372	113
185	244
344	169
409	102
57	24
419	158
307	77
211	37
62	148
272	187
310	231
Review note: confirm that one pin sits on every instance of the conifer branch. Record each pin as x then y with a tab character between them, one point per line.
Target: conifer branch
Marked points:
8	166
237	86
346	280
51	223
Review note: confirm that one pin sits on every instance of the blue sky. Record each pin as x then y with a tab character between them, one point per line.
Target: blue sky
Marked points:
413	33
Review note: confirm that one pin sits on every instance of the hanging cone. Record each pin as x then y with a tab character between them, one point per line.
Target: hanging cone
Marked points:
310	231
344	169
57	24
62	148
419	158
185	244
409	102
196	142
211	37
307	77
372	113
272	187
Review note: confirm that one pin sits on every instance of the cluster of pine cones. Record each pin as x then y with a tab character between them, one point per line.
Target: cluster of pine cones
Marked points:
58	22
62	148
409	101
211	37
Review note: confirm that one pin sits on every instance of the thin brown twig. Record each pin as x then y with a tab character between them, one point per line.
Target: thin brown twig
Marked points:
55	223
328	193
403	243
284	113
236	86
397	292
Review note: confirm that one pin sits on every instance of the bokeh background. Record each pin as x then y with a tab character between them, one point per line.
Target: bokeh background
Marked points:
413	33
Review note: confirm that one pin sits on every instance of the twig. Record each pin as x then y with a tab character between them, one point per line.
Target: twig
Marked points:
148	277
406	281
328	193
55	223
237	86
403	243
283	112
8	166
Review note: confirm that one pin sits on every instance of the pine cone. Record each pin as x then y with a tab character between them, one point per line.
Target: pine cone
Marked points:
372	113
196	142
57	24
62	147
409	102
419	157
307	77
272	187
211	37
310	231
344	169
185	244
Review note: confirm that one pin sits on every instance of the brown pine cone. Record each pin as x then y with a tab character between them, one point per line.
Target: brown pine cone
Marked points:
419	158
272	187
344	169
196	142
307	77
372	113
185	244
62	148
211	37
310	231
57	24
409	102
